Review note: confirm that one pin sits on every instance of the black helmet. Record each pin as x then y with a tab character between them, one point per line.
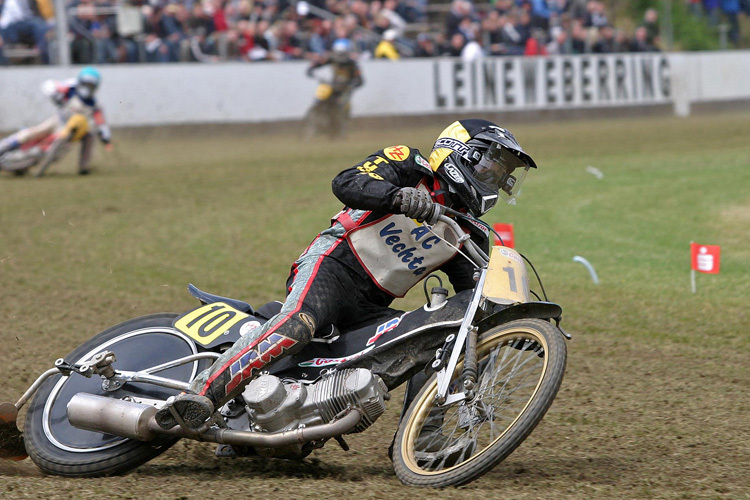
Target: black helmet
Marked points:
479	161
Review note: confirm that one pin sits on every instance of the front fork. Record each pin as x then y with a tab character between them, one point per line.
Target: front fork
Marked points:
466	342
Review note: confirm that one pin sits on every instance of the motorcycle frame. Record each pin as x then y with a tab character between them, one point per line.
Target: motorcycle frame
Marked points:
464	342
119	377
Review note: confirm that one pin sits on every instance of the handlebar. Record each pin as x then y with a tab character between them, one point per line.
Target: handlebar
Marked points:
475	252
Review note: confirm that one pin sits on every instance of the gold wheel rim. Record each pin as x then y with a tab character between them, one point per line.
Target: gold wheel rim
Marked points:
426	403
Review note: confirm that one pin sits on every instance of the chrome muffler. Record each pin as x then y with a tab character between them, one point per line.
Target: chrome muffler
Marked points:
136	421
111	416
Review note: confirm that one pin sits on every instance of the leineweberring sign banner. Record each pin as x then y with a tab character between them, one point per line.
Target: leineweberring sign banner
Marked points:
522	83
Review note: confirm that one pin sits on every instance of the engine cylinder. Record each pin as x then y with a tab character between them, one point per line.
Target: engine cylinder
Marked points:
275	405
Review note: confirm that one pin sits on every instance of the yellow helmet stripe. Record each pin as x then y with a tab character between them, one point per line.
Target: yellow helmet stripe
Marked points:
454	131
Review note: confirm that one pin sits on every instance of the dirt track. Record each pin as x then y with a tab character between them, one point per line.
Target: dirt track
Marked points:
655	402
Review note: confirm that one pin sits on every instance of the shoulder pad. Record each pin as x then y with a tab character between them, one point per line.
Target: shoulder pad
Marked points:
409	157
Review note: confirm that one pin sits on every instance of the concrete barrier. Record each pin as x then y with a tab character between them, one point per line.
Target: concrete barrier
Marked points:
170	94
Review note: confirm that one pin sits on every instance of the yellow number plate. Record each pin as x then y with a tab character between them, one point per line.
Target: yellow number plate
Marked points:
207	323
506	282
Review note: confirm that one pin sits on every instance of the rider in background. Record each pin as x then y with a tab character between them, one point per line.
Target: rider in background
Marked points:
347	75
379	246
72	96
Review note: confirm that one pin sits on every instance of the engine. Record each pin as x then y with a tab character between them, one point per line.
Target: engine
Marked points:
275	405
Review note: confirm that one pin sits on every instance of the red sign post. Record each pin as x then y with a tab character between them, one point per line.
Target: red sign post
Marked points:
505	231
704	259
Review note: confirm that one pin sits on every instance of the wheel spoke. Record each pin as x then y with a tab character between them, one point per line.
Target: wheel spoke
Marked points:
520	366
509	375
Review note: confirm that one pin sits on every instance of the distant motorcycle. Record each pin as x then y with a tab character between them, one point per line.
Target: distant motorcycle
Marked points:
330	113
47	150
489	360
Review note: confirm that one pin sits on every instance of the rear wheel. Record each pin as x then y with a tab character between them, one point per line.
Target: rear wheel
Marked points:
520	369
59	448
340	116
316	120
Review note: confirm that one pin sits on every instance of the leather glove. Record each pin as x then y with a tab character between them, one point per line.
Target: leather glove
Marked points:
416	204
104	134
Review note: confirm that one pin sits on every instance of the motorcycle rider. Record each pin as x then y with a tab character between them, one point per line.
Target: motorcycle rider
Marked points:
380	245
347	74
75	95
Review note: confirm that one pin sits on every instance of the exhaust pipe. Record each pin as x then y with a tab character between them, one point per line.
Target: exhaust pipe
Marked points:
136	421
111	416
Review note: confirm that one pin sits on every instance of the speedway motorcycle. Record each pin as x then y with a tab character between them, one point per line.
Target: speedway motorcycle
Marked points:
330	112
47	150
488	362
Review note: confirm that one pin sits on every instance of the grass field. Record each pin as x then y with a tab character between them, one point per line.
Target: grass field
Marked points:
656	398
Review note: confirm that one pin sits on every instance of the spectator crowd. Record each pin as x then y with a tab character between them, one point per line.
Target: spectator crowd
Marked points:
127	31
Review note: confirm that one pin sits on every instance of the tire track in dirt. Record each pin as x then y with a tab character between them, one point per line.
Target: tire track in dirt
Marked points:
25	468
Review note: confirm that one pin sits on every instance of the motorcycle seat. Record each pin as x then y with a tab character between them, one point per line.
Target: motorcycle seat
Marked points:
209	298
269	310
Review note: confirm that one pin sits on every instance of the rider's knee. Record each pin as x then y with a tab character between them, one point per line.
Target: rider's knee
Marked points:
300	327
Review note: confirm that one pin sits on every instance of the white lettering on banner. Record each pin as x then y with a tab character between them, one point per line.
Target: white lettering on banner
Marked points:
522	83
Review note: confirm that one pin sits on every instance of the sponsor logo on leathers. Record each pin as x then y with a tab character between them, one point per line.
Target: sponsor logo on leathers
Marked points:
254	360
424	163
398	153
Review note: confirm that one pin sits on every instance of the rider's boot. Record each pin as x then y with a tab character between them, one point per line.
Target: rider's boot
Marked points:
9	144
235	368
192	409
87	145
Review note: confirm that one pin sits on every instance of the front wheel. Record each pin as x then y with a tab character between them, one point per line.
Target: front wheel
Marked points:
520	369
59	448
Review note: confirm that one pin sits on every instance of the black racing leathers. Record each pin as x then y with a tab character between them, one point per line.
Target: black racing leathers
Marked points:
346	74
371	185
328	284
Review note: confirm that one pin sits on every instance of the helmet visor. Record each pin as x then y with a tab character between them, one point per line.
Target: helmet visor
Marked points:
502	170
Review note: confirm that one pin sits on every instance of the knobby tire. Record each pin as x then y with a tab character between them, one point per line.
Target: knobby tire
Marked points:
430	449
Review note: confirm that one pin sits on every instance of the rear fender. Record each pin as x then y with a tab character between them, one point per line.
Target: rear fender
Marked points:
209	298
218	321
